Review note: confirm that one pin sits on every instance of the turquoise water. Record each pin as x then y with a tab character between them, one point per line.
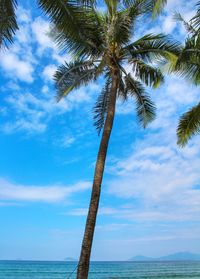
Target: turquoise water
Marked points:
100	270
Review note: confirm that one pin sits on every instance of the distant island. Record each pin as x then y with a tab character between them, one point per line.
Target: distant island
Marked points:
181	256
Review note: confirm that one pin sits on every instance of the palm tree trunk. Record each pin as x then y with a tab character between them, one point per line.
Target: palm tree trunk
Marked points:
84	261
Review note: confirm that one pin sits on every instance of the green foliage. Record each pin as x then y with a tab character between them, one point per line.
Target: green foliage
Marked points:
72	75
74	20
188	66
158	6
101	106
144	106
188	62
154	48
148	74
188	25
196	19
8	23
74	26
100	44
189	125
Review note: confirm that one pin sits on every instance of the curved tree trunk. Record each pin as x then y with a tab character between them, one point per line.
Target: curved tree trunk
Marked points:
84	261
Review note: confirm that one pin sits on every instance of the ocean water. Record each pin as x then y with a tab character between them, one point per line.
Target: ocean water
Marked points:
100	270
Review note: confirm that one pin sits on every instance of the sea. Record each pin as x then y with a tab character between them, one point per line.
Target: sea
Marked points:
100	270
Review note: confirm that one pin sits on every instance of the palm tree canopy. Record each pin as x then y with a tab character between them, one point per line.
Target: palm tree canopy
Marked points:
188	63
188	66
8	23
57	10
196	19
103	41
189	125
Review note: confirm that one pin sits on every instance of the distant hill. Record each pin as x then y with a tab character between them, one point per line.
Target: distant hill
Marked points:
141	258
180	256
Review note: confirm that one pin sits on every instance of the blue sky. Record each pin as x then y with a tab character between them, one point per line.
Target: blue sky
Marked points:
150	201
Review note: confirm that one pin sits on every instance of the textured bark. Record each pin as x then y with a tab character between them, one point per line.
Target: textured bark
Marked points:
84	261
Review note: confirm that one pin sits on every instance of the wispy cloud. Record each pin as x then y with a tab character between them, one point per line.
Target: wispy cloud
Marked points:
34	111
17	67
49	72
50	193
156	173
84	211
34	108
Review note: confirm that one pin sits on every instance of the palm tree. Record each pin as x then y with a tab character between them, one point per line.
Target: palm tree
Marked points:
8	23
188	66
9	26
100	44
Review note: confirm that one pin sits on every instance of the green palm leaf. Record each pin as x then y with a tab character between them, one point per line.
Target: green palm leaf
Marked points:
74	26
154	47
196	19
144	106
101	106
153	6
8	23
188	62
158	6
188	25
149	75
189	125
72	75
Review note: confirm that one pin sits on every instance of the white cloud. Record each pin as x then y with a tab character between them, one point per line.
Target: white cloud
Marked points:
16	67
34	111
23	15
84	211
67	141
18	63
55	193
23	35
169	24
45	89
40	29
49	72
162	178
31	125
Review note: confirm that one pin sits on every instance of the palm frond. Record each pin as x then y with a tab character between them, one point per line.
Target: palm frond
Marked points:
188	63
158	6
111	6
139	7
122	89
101	106
72	75
8	23
75	26
126	19
196	19
153	48
88	2
189	125
149	75
189	70
144	106
122	31
144	6
188	25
